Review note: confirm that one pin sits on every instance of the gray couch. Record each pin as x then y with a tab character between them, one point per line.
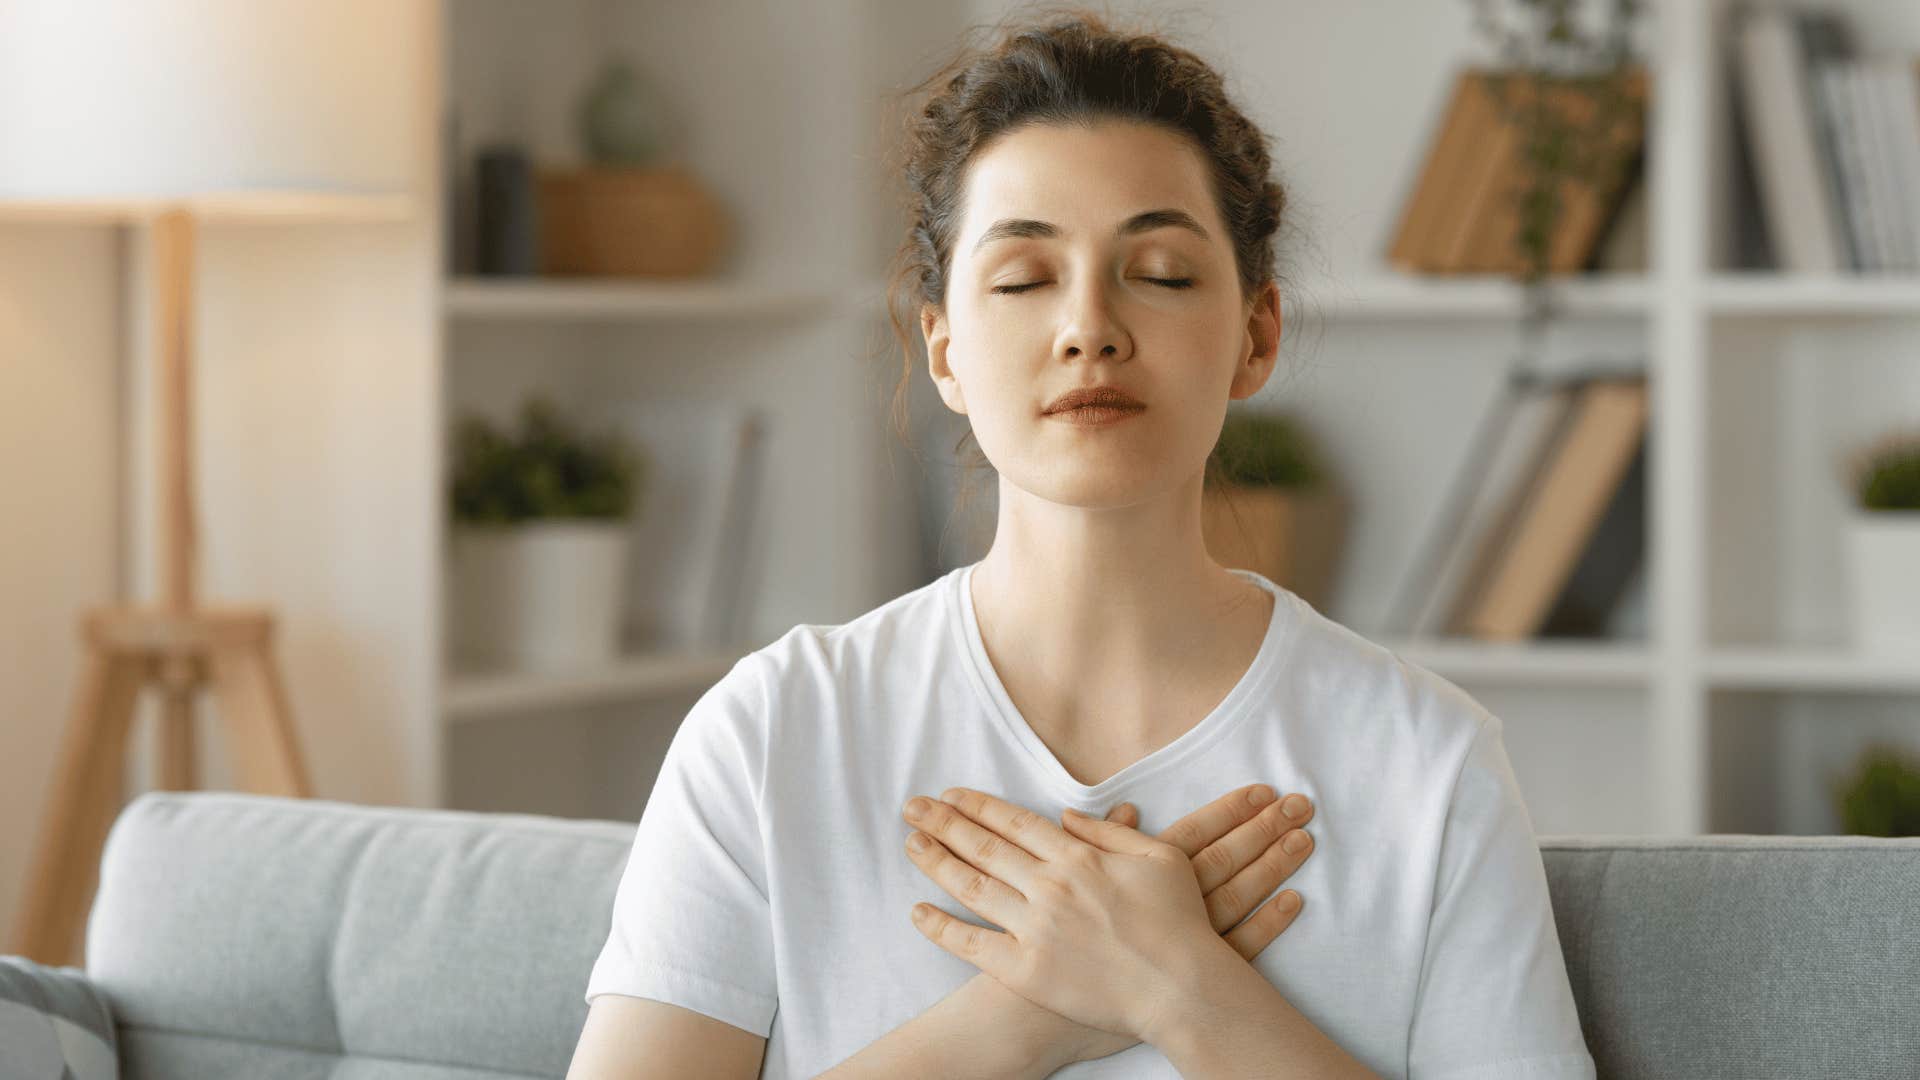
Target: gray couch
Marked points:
246	936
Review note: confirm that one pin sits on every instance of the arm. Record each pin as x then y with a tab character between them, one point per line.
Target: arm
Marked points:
1237	1024
630	1038
982	1030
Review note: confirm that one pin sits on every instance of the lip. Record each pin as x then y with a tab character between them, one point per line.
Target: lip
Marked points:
1095	415
1104	398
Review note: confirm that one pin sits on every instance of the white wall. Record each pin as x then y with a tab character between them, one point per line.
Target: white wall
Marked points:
59	499
316	403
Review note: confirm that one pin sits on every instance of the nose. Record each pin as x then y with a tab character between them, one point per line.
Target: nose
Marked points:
1091	328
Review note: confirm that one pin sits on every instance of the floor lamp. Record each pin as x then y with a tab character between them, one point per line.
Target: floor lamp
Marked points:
167	117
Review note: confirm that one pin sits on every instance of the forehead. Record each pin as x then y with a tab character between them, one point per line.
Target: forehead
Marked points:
1084	178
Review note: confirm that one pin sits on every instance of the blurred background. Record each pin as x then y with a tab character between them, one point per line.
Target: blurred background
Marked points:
521	472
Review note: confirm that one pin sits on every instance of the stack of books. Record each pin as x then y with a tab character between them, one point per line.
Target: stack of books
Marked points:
1549	531
1828	145
1463	214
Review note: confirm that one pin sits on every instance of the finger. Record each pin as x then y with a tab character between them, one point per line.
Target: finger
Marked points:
984	848
982	893
1112	836
1126	814
1194	832
1034	834
1230	902
989	950
1225	857
1251	937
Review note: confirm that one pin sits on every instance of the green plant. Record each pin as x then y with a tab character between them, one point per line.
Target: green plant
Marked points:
550	470
1266	450
1882	798
1887	474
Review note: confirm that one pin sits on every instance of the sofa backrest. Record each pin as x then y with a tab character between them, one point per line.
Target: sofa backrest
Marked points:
1742	956
246	935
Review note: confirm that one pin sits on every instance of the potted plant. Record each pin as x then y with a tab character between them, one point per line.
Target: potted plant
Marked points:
539	540
1270	505
1882	797
1883	543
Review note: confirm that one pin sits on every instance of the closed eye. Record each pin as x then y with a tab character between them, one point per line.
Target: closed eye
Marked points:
1171	283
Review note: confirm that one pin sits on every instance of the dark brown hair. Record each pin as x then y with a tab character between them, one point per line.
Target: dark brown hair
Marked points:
1072	67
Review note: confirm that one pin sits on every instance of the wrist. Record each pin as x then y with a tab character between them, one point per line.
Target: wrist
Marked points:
1198	995
1037	1041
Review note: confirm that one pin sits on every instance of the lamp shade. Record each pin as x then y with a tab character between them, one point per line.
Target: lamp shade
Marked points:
117	107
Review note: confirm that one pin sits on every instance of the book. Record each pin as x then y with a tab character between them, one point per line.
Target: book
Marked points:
723	621
1609	566
1423	211
1475	199
1880	83
1560	513
1819	38
695	458
1511	441
1799	205
1463	214
1900	85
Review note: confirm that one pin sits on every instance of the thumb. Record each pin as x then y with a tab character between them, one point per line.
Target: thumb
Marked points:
1108	835
1126	814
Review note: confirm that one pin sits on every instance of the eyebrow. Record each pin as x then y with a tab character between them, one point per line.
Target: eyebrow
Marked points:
1146	221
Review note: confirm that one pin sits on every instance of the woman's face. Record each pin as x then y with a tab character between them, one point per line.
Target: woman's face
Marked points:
1058	282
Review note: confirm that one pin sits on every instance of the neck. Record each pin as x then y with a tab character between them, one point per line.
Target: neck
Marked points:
1107	607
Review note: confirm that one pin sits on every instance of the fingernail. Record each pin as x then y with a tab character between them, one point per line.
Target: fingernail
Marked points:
1295	842
918	841
1295	807
1261	795
917	806
1288	901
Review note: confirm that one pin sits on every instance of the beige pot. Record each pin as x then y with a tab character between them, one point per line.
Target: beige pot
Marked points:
1292	537
629	222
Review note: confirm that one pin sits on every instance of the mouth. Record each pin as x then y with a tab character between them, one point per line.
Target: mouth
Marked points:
1100	397
1096	415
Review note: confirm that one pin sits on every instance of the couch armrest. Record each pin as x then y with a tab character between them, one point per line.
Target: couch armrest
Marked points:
54	1023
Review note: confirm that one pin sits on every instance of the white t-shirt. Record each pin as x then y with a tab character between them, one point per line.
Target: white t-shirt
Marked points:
769	884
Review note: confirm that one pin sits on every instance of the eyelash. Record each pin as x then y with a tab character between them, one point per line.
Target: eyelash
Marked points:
1171	283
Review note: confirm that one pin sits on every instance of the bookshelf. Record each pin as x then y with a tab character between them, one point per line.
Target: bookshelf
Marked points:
1720	702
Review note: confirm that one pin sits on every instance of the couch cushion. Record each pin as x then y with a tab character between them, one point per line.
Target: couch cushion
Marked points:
54	1024
1742	956
241	934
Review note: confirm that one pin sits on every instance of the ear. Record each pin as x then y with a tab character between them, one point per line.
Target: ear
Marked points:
933	327
1260	346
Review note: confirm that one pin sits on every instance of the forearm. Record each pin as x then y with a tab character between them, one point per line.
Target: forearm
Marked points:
1239	1025
968	1035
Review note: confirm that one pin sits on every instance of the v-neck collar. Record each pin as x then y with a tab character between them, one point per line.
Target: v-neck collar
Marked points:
1251	688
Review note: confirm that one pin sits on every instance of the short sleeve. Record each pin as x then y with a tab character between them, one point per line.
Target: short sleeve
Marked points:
692	925
1494	1001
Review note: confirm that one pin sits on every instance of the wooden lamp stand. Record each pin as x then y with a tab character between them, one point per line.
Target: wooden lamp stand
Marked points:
179	646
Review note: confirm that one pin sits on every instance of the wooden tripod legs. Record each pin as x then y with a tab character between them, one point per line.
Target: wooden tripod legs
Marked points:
127	649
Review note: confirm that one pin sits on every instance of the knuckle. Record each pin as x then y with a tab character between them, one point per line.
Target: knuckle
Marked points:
1182	834
974	886
1216	859
988	847
1228	901
1022	820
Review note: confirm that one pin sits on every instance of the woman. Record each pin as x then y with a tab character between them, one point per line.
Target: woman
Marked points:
1091	262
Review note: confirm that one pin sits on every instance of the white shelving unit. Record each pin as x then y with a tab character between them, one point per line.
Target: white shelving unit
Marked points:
1724	705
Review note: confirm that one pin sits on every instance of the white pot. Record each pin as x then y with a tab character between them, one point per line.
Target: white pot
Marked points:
1884	561
540	596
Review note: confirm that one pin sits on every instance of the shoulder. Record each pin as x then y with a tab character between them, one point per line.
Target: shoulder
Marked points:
1369	688
816	661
